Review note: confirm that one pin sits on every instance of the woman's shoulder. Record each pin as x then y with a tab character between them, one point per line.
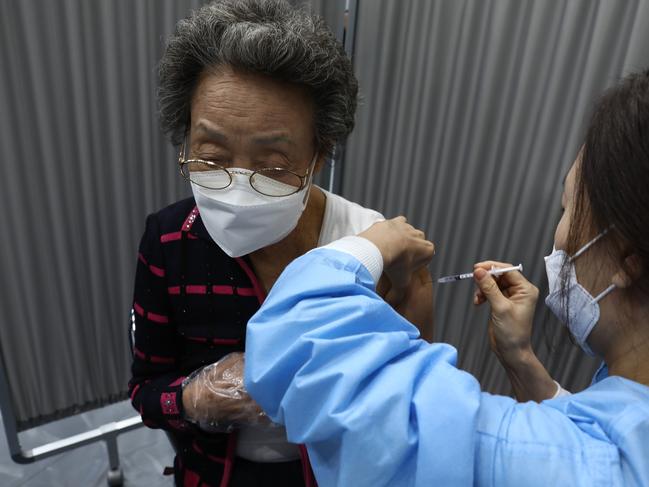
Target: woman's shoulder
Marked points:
344	218
616	404
613	412
171	217
177	211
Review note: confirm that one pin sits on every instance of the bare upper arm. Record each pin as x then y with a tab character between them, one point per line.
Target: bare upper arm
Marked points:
415	303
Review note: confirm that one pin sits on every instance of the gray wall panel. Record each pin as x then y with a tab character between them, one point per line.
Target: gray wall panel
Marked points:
473	112
83	163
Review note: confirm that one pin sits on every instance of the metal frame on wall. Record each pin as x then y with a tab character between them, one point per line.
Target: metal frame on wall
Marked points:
331	177
107	433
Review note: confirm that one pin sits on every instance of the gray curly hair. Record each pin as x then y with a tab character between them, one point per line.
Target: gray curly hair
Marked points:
263	36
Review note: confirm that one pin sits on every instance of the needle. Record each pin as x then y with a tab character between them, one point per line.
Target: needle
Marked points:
495	271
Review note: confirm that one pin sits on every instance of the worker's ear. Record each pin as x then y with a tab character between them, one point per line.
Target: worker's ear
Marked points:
629	272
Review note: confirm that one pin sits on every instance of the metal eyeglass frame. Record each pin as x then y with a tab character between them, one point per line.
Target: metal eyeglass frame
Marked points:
182	162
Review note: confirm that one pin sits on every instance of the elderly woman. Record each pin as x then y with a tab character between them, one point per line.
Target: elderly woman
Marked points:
256	94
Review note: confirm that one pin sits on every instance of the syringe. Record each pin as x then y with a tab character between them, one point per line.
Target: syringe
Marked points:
495	271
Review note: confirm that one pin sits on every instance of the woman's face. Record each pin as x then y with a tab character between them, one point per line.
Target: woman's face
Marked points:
594	267
561	233
251	121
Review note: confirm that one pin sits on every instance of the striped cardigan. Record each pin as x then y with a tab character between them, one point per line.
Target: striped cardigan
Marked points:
191	305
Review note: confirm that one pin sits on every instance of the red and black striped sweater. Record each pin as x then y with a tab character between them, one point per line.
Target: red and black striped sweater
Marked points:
191	305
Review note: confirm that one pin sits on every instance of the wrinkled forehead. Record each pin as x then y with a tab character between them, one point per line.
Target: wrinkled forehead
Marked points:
235	93
237	106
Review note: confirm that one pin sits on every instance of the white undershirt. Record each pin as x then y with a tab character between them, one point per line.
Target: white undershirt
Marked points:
341	218
560	391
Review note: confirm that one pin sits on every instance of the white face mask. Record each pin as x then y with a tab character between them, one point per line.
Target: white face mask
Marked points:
580	310
241	220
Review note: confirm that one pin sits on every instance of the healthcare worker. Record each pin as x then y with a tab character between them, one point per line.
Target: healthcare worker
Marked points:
377	406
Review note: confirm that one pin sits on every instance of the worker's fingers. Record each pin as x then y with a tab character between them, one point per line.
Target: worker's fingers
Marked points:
424	254
490	290
503	285
504	280
488	264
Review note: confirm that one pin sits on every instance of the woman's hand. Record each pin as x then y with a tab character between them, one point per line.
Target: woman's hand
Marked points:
405	250
513	300
215	396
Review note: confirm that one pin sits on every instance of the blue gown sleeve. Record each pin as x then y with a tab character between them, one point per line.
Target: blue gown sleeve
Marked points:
376	406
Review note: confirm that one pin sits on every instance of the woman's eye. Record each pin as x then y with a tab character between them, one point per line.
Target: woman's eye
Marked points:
272	164
220	160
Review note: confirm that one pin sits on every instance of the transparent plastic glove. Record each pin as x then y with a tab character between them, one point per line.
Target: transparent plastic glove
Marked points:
215	398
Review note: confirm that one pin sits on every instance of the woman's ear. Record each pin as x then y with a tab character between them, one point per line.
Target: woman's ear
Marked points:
629	272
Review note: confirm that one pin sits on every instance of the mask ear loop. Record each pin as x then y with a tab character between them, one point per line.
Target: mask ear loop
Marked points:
590	244
604	293
611	287
310	179
181	153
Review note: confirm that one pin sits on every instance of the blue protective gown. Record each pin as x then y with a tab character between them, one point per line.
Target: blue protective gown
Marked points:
376	406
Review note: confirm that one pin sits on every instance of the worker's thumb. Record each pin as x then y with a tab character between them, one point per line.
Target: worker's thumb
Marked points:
490	290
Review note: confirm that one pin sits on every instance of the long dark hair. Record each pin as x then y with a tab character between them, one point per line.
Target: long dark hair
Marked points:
612	183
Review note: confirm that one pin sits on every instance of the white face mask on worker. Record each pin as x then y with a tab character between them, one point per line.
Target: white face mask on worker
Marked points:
578	308
241	220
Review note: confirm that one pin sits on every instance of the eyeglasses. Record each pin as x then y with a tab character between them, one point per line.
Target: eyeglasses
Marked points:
272	181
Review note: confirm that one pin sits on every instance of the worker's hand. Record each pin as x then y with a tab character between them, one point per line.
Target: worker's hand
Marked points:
405	250
512	299
215	396
414	303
